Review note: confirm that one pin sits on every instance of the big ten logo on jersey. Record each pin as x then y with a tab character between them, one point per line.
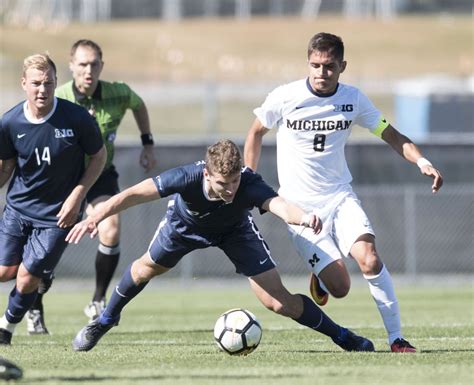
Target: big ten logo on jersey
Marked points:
63	133
343	107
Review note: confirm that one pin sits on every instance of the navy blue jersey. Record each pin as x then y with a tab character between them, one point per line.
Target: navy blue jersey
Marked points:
212	216
50	157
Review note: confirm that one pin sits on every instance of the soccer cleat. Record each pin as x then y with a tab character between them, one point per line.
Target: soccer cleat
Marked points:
94	309
35	322
351	342
5	337
9	371
89	335
402	346
318	294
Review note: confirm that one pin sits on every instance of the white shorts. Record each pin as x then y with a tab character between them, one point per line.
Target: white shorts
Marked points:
344	221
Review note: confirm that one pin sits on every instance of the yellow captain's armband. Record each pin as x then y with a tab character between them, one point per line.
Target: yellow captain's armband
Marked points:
383	124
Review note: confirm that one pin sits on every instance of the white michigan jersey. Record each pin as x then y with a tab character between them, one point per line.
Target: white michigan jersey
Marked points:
312	133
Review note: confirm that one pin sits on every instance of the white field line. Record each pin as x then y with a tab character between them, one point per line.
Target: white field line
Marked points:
172	342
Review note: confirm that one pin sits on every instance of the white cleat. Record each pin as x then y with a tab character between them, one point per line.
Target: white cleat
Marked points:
94	309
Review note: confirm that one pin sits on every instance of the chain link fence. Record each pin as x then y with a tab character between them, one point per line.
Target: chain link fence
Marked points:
41	12
417	232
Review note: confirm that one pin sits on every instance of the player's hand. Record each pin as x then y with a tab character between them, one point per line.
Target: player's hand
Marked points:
147	158
69	212
435	174
88	225
312	221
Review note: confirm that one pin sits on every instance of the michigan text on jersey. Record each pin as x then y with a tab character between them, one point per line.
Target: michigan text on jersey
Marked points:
318	125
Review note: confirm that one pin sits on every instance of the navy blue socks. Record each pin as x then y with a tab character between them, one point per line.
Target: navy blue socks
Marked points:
18	305
123	293
314	318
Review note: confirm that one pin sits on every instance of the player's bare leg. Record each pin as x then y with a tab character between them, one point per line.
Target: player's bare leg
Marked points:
382	290
333	279
274	296
7	273
106	260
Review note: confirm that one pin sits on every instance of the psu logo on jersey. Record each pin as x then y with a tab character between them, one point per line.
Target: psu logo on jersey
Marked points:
63	133
343	107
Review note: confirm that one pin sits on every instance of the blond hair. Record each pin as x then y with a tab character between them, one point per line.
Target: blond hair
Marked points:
40	62
223	158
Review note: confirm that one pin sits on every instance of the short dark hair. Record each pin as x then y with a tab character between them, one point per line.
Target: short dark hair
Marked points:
326	42
86	43
223	158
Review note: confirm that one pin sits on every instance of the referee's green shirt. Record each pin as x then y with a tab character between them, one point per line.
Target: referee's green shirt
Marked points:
110	102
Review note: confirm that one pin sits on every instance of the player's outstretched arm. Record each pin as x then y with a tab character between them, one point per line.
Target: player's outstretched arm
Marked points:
88	225
406	148
253	144
292	214
142	192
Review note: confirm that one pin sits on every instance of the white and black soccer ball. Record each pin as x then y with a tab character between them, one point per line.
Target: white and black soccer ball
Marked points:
237	332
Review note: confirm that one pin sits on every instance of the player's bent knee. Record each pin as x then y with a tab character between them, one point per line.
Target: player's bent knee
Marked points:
371	264
109	236
144	274
7	273
27	285
338	285
45	285
340	289
109	231
144	271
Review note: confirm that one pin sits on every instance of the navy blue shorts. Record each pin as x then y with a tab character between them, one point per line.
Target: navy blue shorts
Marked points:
37	246
106	184
244	245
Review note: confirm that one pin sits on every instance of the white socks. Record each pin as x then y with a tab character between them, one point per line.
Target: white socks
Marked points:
4	324
381	288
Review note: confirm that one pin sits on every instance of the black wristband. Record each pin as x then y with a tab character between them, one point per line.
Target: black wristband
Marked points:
147	139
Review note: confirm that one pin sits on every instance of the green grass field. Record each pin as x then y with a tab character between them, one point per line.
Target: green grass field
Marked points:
165	337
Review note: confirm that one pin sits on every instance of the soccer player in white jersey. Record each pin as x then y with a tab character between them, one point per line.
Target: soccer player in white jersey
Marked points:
314	118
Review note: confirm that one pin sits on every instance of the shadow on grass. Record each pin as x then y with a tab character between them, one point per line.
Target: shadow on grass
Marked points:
173	376
445	351
388	352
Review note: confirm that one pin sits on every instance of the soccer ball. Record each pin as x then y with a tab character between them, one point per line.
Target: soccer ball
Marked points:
237	332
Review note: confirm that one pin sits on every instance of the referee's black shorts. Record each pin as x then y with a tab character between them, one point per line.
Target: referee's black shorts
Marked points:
106	184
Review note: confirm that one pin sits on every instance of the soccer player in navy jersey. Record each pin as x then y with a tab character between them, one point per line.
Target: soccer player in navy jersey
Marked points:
107	102
313	118
210	207
43	143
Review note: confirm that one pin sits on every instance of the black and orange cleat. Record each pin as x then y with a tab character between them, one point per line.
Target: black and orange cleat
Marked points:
318	294
402	346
